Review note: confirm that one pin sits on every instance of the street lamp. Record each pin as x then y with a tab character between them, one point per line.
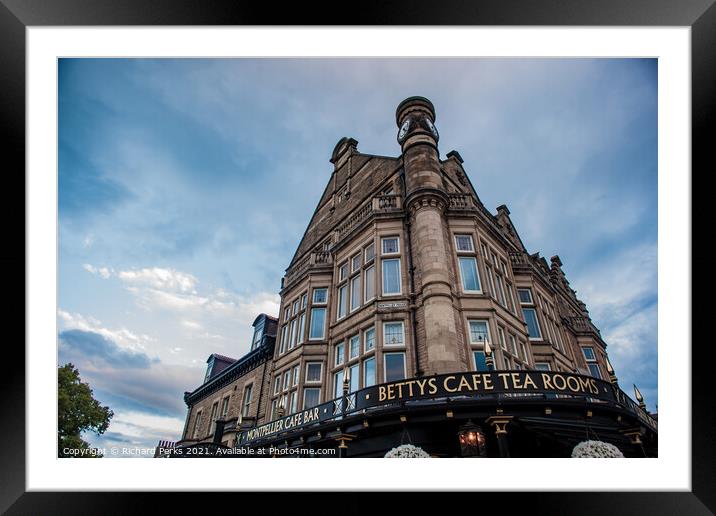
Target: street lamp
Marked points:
489	360
610	371
639	398
472	440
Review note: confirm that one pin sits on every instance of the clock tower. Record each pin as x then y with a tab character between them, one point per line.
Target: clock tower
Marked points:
426	200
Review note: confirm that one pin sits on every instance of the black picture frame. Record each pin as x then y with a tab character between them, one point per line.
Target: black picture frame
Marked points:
17	15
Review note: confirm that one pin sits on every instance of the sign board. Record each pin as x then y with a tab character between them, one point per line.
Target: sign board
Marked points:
471	384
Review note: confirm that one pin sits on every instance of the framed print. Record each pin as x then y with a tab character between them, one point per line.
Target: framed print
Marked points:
458	233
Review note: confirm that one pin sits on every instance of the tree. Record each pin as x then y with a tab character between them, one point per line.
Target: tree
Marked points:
77	411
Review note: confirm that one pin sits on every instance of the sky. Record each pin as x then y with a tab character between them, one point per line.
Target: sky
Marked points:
185	186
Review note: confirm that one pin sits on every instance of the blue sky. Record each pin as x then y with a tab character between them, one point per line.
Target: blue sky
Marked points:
185	186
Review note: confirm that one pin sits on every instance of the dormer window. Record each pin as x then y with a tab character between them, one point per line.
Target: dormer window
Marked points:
209	368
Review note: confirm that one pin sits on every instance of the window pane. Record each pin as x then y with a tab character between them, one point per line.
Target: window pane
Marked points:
369	372
340	354
390	245
594	370
478	331
391	276
311	397
532	324
355	378
313	372
370	283
542	366
355	346
338	384
294	402
292	341
355	292
500	291
301	327
394	366
355	263
468	272
480	362
393	333
369	253
369	337
304	300
463	242
342	301
343	271
318	319
588	353
294	381
525	295
319	296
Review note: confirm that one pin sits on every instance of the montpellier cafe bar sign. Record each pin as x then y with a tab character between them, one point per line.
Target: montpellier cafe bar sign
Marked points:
452	385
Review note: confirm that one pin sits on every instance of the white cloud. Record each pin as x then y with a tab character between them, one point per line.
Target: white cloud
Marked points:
122	336
160	278
103	272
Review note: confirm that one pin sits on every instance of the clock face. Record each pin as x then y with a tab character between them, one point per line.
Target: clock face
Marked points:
404	129
431	127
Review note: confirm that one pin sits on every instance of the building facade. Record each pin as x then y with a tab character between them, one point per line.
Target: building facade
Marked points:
403	275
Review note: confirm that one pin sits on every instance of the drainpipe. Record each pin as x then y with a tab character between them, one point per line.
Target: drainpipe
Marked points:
411	278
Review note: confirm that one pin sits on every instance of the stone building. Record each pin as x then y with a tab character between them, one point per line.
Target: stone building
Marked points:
403	274
233	391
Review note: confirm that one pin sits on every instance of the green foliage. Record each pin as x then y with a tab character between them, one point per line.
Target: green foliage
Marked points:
77	411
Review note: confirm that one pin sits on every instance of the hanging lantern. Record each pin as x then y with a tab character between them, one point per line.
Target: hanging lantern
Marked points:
472	440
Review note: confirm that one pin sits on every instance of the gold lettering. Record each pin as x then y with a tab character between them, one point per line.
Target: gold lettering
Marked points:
504	377
476	382
572	380
584	384
594	388
547	381
433	386
381	393
561	380
516	381
529	381
487	382
421	386
464	384
400	389
391	391
445	383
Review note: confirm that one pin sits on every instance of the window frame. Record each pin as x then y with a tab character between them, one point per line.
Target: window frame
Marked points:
382	245
325	296
306	375
539	327
402	330
364	363
323	326
399	274
462	275
342	346
318	401
246	402
584	354
367	299
352	294
365	339
529	291
469	331
457	246
385	366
